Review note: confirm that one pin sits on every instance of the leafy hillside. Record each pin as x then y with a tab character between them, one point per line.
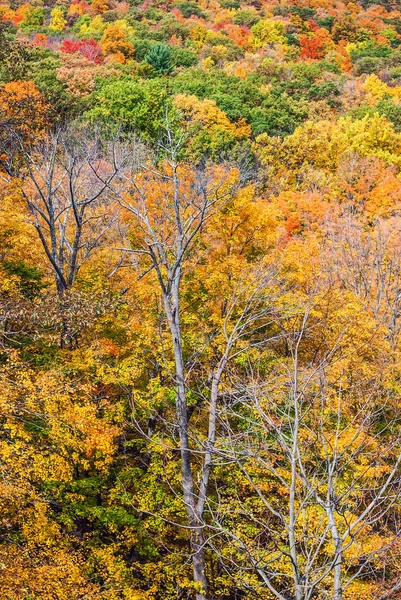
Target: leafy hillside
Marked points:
200	300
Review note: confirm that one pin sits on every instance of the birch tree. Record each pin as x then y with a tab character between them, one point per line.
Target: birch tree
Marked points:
319	451
170	205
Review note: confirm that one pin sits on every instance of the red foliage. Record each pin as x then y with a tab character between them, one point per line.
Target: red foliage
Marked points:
88	47
311	47
84	4
313	25
220	26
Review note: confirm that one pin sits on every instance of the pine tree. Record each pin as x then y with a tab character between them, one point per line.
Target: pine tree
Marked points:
159	57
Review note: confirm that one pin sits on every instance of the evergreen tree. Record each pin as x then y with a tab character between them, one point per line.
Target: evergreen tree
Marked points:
159	57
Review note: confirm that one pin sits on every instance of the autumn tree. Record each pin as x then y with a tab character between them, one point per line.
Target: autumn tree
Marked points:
65	183
88	47
169	206
57	21
115	44
316	471
24	114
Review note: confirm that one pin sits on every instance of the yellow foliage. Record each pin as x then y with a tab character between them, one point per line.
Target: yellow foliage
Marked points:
325	143
57	21
208	63
377	90
114	43
208	114
96	25
199	35
268	31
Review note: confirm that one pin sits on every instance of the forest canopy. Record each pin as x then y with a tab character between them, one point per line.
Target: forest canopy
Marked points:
200	300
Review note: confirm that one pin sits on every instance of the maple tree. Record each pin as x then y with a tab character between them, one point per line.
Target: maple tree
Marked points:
115	45
89	48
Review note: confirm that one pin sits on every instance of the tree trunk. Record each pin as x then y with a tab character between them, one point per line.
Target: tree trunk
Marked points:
338	592
171	303
199	563
337	587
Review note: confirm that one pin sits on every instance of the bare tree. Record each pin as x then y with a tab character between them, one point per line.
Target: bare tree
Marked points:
171	204
320	450
67	199
167	239
65	183
367	260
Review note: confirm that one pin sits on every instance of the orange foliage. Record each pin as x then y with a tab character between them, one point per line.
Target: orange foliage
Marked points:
40	40
115	45
23	105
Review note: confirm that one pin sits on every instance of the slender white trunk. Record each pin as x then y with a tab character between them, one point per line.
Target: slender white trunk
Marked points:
338	543
171	304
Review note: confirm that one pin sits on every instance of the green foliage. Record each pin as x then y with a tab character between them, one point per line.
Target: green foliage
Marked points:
301	11
134	104
109	16
326	22
306	82
82	20
279	115
141	48
30	279
171	27
45	78
396	23
292	39
385	107
276	122
34	19
369	49
233	51
230	4
188	9
15	59
153	14
159	57
180	57
233	95
246	17
367	65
